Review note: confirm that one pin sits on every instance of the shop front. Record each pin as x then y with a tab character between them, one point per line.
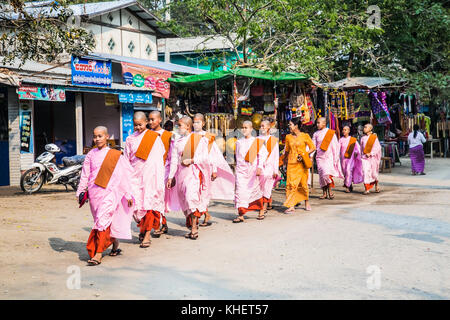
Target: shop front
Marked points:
4	137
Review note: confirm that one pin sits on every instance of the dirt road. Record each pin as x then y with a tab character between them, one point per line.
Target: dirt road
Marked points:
392	245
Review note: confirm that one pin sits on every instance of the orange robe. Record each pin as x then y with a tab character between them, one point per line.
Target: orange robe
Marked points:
297	175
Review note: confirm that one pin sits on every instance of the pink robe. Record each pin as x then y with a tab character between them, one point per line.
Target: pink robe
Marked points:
351	167
189	190
109	206
270	168
248	184
328	162
222	188
370	165
167	192
148	176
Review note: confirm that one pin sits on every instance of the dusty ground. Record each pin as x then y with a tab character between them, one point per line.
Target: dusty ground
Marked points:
333	252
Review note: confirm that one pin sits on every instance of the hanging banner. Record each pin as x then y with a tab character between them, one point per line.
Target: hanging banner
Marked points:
26	133
127	120
147	77
46	93
93	73
136	97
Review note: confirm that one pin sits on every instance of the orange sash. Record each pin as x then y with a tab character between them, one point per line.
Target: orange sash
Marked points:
211	139
165	137
191	146
350	148
327	140
146	145
254	150
107	168
270	144
370	142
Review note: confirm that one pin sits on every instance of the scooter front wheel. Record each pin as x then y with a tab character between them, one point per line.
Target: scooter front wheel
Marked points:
32	180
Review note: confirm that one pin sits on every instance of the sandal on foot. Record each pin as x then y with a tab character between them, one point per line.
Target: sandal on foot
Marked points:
323	197
366	192
238	220
205	224
289	211
164	229
193	236
94	262
331	197
308	208
145	244
114	253
261	217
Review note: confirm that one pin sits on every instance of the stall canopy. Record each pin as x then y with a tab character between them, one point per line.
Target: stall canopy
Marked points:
243	72
358	83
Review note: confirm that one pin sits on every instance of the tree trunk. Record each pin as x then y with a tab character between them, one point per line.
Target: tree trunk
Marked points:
350	63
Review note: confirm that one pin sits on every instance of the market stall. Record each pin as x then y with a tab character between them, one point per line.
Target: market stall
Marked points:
379	101
227	98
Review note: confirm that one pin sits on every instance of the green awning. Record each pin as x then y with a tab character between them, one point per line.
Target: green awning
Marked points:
243	72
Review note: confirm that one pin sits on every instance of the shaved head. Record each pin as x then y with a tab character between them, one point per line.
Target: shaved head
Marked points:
139	115
322	119
101	128
321	123
199	116
248	123
186	120
368	128
266	121
155	113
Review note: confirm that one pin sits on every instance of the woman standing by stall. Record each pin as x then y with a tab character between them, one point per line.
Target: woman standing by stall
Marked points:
416	153
298	163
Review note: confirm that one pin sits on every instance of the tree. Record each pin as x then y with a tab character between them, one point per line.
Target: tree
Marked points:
416	45
40	35
301	35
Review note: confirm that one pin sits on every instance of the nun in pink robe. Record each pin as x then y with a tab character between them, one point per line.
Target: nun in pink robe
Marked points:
166	176
270	168
148	175
109	206
248	184
328	162
191	182
370	162
222	188
351	167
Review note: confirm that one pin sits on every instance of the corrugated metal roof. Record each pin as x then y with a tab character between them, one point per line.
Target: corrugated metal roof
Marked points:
150	63
91	10
358	82
32	66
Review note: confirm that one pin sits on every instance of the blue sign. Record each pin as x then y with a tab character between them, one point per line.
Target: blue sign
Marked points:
26	129
89	72
127	120
136	97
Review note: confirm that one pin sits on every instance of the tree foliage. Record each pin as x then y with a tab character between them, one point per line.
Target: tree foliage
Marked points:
329	39
40	35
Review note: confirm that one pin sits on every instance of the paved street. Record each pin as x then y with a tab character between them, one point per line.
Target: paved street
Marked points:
392	245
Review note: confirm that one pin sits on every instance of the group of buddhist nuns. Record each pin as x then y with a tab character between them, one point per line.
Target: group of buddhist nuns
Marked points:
160	172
